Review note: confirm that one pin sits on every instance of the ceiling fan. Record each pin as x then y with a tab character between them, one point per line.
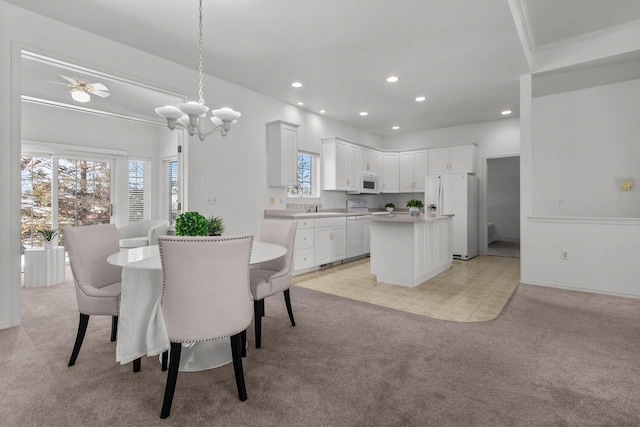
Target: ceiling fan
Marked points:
82	89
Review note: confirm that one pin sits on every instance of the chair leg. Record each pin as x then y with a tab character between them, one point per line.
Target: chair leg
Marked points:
165	360
287	301
137	364
82	328
257	321
114	328
262	312
243	336
172	377
236	353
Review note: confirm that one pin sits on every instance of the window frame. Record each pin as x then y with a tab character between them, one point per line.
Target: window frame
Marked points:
315	177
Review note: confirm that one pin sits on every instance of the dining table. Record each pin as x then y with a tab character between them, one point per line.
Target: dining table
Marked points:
141	327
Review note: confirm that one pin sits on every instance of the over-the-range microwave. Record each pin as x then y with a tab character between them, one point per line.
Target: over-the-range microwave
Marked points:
367	184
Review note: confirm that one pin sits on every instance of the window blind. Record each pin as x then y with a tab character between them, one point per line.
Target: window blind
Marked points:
138	190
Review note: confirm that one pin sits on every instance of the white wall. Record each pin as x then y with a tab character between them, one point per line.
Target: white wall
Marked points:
575	145
503	196
233	168
586	144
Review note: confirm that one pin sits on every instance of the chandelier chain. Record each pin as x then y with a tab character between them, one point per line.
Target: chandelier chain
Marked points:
200	91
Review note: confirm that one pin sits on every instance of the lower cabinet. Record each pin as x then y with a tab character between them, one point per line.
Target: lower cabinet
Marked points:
303	246
319	241
329	240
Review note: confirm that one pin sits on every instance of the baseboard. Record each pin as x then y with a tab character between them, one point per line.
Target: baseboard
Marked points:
578	289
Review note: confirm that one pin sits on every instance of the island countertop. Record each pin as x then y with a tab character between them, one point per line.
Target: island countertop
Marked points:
407	218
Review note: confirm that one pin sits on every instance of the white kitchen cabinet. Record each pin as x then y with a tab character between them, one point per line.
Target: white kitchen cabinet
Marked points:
329	240
409	253
458	159
282	154
303	246
340	165
390	173
412	166
368	161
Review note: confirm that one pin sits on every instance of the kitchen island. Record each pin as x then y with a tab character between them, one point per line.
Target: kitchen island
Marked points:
406	250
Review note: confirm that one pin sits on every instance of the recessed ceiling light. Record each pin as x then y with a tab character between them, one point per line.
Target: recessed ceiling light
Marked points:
392	79
323	111
420	98
300	103
296	84
364	113
395	127
506	112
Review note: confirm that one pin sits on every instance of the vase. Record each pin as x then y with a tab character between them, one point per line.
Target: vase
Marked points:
389	209
414	211
48	244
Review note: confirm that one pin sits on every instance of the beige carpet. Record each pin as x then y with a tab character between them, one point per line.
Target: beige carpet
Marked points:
471	291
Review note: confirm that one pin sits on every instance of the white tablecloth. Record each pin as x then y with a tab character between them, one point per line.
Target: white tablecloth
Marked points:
141	329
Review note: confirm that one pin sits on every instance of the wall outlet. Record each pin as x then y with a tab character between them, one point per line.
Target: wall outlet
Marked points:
272	201
564	255
212	200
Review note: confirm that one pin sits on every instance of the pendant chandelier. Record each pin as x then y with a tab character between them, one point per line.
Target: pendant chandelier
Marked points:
192	115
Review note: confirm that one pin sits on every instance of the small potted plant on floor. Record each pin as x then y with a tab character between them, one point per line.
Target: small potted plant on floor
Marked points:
414	206
390	207
192	224
216	226
48	234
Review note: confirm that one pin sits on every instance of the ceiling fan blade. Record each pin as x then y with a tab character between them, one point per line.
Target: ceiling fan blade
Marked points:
99	86
100	93
69	79
58	83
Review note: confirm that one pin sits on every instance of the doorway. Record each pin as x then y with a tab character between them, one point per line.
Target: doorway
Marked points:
503	206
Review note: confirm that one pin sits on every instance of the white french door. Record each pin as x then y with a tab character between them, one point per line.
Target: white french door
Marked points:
60	191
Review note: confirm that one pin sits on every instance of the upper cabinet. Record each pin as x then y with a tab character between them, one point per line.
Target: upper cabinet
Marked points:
390	173
340	165
412	171
282	154
368	161
458	159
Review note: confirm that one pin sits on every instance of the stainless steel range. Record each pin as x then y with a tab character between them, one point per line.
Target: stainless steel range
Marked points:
358	228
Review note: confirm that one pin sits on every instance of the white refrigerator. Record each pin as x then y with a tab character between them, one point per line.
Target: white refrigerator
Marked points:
456	194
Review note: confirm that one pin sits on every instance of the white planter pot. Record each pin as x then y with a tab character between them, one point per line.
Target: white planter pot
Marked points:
414	211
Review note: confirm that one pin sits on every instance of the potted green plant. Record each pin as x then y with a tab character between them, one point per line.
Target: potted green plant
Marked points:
48	234
192	224
390	207
415	206
216	226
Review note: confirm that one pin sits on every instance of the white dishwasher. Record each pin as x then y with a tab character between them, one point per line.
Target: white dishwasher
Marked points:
358	227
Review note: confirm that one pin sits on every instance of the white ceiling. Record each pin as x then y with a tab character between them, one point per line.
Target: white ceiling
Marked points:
465	56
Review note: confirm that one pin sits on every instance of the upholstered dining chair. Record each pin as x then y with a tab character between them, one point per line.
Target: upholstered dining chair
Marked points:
96	281
206	297
272	277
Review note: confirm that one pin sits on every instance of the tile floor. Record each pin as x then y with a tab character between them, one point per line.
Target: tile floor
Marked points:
471	291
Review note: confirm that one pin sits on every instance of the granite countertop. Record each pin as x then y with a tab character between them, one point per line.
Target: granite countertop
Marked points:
409	219
305	215
288	214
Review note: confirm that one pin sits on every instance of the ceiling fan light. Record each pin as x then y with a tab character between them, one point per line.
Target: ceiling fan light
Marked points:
80	96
